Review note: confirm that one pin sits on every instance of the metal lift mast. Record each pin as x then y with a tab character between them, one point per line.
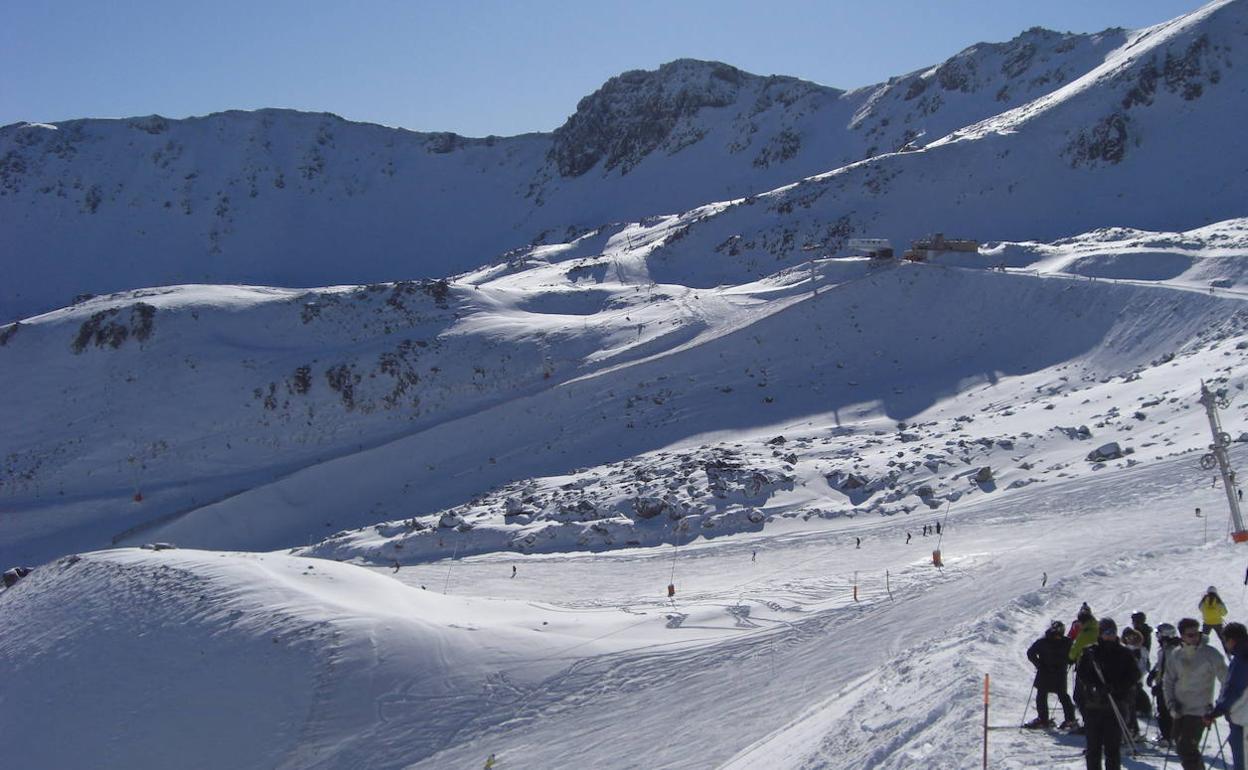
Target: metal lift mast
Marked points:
1218	457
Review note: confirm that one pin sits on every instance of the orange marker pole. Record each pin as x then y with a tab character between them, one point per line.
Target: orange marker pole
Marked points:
985	722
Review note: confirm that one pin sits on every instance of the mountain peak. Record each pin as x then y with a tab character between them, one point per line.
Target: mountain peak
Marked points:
635	112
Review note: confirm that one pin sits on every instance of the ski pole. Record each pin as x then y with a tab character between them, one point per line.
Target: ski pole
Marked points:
1221	743
1026	704
1113	702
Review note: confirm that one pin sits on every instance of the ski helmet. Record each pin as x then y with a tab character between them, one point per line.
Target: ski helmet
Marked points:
1167	631
1212	590
1057	627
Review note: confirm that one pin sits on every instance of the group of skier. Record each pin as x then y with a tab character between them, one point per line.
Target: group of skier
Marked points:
1113	670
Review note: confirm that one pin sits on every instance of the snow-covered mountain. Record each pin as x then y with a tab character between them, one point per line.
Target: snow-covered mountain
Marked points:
298	199
655	493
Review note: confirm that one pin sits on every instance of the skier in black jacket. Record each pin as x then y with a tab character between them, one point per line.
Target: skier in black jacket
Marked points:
1105	681
1050	655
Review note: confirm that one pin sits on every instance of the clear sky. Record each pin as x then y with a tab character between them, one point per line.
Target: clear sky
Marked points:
472	66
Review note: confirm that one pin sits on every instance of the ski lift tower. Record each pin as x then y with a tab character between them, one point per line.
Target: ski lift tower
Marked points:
1218	457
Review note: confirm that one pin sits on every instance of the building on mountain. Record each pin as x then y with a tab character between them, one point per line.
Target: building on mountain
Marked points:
924	249
876	248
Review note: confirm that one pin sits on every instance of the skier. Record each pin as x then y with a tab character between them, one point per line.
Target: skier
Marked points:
1084	631
489	762
1138	703
1233	702
1138	623
1188	683
858	544
1167	642
395	565
938	527
1050	655
513	571
754	556
1212	611
924	530
1105	678
907	538
1044	579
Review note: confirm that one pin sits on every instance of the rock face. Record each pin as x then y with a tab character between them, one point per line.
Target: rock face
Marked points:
638	112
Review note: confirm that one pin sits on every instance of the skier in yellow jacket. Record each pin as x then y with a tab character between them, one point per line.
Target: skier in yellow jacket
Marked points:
1212	611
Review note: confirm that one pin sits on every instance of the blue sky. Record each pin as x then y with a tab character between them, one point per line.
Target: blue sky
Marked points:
472	67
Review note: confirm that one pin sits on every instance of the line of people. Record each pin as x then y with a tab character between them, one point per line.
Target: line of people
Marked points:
1111	672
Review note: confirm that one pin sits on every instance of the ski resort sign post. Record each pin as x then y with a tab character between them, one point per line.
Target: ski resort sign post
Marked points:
1218	458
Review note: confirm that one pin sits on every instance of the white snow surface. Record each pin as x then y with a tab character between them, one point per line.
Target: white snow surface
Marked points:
415	524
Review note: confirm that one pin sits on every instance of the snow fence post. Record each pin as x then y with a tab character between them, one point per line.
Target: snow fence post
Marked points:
985	722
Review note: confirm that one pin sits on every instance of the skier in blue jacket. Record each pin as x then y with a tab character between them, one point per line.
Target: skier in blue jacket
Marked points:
1233	702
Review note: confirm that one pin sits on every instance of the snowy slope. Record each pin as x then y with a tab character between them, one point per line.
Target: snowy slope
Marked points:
581	661
451	395
301	199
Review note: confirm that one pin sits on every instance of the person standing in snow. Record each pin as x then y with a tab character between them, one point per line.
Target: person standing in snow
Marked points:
1212	611
1050	655
907	538
1105	680
1139	703
1139	623
1191	670
1167	642
1084	632
1233	702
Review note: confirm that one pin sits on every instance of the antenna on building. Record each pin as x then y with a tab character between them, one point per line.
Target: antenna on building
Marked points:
1218	457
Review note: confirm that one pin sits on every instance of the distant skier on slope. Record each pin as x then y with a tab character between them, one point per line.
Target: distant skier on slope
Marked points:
1050	655
1105	679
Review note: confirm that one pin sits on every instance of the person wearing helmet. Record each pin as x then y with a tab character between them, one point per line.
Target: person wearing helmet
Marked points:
1105	679
1087	634
1212	611
1190	673
1050	655
1167	641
